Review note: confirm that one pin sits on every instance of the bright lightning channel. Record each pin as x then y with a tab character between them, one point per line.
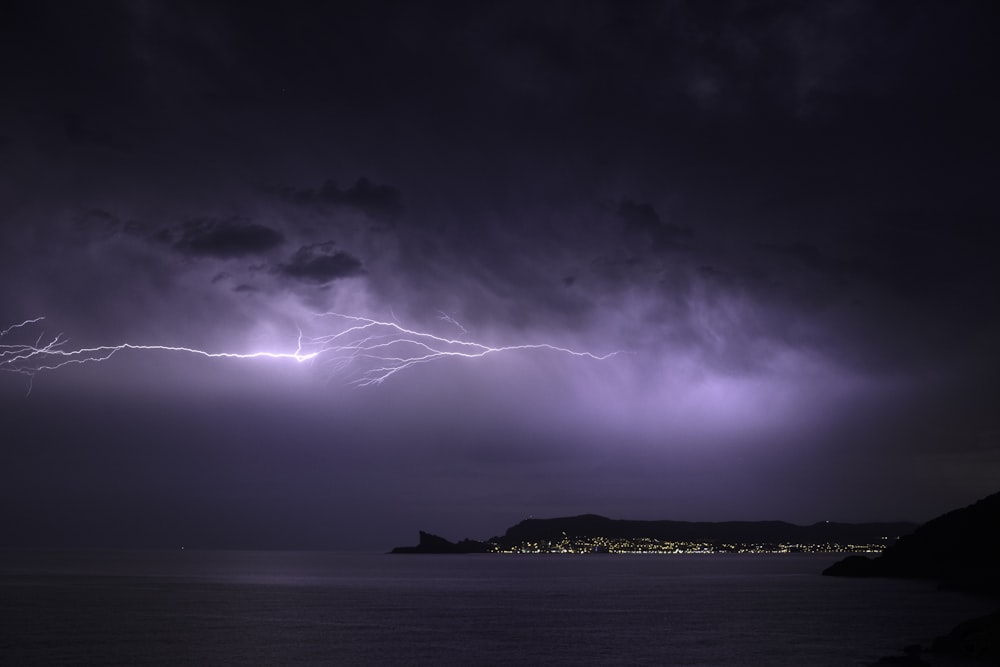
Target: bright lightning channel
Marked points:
389	348
372	350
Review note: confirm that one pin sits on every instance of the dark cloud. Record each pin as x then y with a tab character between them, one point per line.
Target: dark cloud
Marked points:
224	238
321	264
935	252
783	214
98	225
82	130
642	218
380	202
812	257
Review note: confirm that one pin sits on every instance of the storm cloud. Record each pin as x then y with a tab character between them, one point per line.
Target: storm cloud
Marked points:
223	238
780	218
321	263
643	219
381	202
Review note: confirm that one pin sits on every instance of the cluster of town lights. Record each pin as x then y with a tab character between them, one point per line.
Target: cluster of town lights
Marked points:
589	545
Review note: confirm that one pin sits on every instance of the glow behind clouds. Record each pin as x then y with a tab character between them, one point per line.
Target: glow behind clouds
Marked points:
778	223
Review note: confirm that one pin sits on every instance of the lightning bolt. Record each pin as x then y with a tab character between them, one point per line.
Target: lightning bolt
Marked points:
389	348
18	326
372	350
445	317
54	353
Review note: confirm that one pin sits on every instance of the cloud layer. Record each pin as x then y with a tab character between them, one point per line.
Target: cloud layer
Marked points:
781	217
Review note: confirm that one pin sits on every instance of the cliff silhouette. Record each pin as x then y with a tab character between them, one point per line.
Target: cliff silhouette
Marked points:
961	549
433	544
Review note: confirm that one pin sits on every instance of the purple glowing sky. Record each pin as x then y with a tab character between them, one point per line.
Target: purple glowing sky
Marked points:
781	218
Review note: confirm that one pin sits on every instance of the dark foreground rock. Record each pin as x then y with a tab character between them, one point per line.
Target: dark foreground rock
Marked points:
961	549
912	656
852	566
432	544
978	639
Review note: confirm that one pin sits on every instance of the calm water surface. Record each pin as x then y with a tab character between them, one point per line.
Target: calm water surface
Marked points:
315	608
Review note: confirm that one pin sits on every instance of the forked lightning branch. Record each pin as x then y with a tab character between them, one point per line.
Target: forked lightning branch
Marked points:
365	350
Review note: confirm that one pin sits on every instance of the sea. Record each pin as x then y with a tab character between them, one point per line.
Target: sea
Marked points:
187	607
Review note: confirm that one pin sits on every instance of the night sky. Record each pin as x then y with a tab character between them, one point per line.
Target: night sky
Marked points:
781	216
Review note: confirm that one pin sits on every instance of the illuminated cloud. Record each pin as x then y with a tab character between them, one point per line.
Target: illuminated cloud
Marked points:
782	217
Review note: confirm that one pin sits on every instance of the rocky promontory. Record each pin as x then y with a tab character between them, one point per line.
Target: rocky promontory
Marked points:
432	544
960	549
